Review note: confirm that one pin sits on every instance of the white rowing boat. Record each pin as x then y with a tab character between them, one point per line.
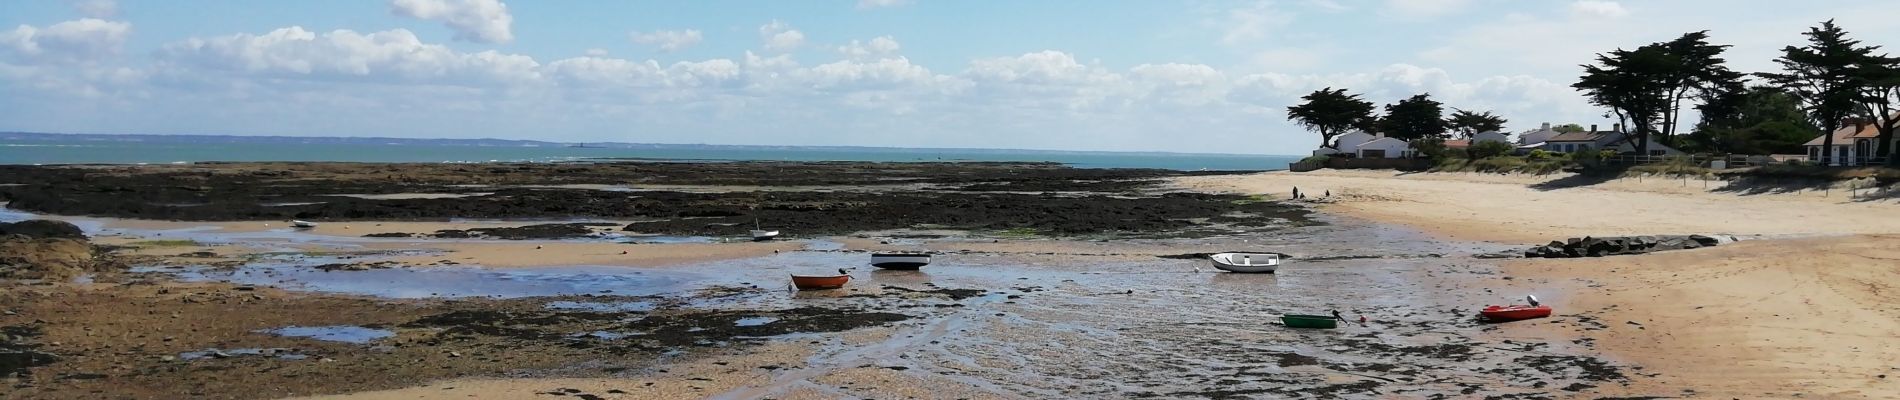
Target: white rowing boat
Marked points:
903	261
1246	262
302	224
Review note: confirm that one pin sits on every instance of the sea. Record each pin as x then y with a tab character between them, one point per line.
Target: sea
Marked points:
45	151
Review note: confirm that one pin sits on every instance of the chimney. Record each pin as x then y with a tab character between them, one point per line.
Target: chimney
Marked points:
1618	127
1593	127
1546	126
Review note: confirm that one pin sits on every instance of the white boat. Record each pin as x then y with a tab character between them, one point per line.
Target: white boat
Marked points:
904	261
1246	262
302	224
759	234
763	235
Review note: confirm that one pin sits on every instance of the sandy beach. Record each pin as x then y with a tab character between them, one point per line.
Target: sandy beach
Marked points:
1808	310
523	307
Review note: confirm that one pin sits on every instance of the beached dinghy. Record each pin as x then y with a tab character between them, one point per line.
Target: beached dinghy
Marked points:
1246	262
1309	321
900	261
761	234
302	224
819	282
1515	312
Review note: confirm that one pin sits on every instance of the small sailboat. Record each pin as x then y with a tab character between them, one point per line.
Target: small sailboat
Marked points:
1515	312
1246	262
302	224
761	234
900	261
821	282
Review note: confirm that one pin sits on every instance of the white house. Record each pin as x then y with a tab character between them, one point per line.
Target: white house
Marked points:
1349	142
1490	136
1385	147
1854	144
1536	137
1575	142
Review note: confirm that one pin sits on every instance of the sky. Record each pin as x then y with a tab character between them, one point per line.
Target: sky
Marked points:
1124	75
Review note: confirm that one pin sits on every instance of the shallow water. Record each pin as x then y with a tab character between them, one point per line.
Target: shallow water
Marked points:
333	333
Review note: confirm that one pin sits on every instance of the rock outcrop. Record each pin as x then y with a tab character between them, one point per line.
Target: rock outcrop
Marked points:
51	250
1621	245
42	228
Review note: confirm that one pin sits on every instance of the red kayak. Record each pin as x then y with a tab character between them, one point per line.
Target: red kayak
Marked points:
1514	312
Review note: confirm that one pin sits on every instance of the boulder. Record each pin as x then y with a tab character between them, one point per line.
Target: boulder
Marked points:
43	228
1620	245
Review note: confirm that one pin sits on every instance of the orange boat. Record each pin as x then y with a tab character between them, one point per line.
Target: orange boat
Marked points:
819	282
1514	312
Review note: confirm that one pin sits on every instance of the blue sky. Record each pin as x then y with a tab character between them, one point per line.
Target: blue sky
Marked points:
1191	76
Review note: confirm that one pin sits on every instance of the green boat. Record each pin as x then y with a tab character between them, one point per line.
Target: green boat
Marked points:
1309	321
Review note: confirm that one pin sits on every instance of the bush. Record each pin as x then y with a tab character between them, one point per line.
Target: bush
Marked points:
1482	150
1540	155
1316	159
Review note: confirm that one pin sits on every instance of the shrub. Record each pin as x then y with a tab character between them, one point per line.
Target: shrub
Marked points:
1539	155
1316	159
1482	150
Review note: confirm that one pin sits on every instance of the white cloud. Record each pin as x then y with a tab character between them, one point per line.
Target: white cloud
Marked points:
1425	8
95	8
393	56
595	52
865	4
484	21
1598	9
1252	23
668	40
879	46
780	37
82	40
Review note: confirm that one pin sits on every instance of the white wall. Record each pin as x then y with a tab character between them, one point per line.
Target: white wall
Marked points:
1492	136
1394	148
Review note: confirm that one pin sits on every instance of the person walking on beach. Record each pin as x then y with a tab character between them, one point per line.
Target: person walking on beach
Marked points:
1296	192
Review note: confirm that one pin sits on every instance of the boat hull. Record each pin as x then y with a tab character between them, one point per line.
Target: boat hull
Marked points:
900	261
1513	313
1309	321
303	224
1246	262
760	236
808	282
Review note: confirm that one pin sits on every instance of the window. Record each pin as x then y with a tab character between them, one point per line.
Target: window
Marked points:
1370	153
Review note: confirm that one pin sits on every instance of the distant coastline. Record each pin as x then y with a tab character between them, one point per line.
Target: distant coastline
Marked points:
65	148
489	142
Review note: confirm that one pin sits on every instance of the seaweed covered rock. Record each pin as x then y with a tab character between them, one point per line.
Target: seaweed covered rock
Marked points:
1620	245
42	228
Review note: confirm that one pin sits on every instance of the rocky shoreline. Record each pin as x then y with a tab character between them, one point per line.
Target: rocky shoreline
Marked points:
729	198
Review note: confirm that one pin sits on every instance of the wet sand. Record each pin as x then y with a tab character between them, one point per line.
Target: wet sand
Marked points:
995	316
1806	310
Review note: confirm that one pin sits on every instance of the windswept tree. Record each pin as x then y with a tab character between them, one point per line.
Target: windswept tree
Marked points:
1758	120
1331	112
1879	78
1645	88
1417	117
1467	124
1825	75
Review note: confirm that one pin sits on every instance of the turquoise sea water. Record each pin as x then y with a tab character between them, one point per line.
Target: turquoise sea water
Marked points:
119	152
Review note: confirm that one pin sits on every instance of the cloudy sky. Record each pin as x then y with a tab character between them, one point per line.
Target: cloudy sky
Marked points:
1190	76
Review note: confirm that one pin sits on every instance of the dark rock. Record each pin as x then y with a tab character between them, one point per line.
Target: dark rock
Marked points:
42	229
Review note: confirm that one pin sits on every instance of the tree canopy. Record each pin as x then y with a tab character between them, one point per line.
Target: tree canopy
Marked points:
1824	76
1758	120
1568	128
1417	117
1467	124
1331	112
1644	88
